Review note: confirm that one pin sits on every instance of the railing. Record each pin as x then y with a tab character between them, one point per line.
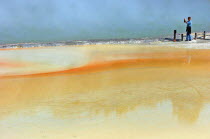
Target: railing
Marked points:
201	36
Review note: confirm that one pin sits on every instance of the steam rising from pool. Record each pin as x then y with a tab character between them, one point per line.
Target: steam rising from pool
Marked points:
62	20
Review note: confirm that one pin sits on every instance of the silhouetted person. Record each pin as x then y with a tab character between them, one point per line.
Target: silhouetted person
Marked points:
188	29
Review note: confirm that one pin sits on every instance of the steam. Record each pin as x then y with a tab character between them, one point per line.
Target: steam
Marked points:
62	20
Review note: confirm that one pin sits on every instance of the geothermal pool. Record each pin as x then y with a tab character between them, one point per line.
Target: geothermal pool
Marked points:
105	91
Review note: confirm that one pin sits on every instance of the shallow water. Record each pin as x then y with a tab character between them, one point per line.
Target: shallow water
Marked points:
119	91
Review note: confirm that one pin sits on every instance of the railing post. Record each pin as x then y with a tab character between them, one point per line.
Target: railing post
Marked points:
182	37
204	35
195	36
174	35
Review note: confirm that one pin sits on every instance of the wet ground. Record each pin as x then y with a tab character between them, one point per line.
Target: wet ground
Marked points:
115	91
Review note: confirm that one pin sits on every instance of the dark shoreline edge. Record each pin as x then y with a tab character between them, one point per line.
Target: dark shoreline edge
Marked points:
75	43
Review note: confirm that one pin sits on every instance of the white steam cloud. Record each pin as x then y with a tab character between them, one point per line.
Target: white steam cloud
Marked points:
61	20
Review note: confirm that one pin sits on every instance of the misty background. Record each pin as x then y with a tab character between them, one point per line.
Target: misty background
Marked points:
63	20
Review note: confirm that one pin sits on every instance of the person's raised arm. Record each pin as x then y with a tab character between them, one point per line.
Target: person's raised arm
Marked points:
185	21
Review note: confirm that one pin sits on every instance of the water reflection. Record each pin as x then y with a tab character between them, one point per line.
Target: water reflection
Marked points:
117	90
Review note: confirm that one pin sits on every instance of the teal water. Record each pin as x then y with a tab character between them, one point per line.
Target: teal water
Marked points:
63	20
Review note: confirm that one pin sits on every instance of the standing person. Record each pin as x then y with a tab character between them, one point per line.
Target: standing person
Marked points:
188	29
